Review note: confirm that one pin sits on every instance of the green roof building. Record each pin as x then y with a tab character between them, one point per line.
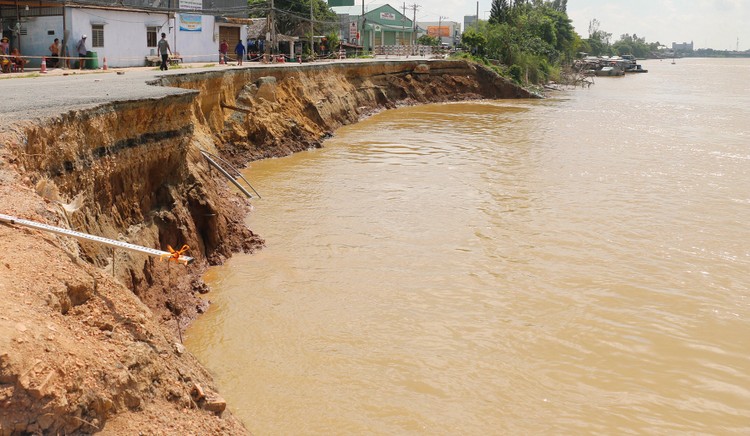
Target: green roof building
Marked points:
385	26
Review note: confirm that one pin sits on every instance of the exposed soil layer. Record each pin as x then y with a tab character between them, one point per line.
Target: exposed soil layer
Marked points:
89	337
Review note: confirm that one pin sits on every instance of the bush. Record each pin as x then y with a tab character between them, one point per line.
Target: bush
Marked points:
516	73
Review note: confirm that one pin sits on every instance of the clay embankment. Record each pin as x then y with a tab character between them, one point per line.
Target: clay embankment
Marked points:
88	339
258	113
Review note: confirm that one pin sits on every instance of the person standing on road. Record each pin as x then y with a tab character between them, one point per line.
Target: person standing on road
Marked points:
81	49
164	51
223	49
54	48
239	50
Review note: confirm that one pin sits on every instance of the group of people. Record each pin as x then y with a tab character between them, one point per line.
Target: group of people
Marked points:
11	59
56	50
253	51
239	50
164	51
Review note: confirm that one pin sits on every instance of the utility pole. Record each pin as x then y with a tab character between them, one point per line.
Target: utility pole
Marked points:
440	31
414	8
362	29
403	17
477	20
272	28
312	32
171	15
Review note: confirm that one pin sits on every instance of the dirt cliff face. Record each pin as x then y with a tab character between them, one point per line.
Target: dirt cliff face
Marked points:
89	337
79	349
259	113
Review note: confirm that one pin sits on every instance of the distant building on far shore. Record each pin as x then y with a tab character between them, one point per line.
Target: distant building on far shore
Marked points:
682	47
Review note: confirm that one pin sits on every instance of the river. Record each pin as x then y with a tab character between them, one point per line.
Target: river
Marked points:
571	265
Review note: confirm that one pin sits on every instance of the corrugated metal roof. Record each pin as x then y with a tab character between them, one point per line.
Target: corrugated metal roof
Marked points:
259	28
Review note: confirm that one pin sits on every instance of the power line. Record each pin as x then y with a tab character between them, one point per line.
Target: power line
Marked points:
304	18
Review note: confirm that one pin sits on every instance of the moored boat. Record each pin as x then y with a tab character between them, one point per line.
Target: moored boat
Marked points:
612	70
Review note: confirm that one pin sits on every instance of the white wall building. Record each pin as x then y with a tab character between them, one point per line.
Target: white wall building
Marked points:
126	34
448	32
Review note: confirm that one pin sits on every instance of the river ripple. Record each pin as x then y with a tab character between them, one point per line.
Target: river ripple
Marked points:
574	265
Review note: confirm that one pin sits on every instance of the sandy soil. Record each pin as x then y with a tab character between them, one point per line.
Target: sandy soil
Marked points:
79	351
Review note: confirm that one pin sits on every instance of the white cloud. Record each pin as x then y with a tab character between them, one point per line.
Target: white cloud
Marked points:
709	23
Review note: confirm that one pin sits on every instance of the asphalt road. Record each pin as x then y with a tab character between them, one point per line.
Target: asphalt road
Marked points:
47	96
34	96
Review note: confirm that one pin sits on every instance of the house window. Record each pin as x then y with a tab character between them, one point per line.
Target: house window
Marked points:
97	35
151	36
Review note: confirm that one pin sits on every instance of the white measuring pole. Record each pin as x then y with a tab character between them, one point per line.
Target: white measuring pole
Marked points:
86	237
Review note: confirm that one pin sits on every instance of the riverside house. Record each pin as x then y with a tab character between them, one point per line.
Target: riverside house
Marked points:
124	31
382	26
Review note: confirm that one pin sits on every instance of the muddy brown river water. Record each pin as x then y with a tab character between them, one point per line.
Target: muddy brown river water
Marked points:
572	265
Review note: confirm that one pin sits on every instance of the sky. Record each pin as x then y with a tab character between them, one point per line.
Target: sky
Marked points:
708	23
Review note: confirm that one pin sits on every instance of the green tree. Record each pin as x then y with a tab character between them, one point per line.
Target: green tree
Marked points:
500	12
565	34
333	42
474	41
583	47
632	45
533	37
560	5
538	24
427	40
516	73
293	16
598	39
520	7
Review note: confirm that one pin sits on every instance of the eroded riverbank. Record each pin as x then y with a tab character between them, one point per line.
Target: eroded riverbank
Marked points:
90	340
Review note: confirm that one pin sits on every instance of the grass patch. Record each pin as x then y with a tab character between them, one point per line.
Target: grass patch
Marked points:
172	67
23	76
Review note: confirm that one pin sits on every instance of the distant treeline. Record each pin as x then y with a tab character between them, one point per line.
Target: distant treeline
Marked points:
711	53
531	41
